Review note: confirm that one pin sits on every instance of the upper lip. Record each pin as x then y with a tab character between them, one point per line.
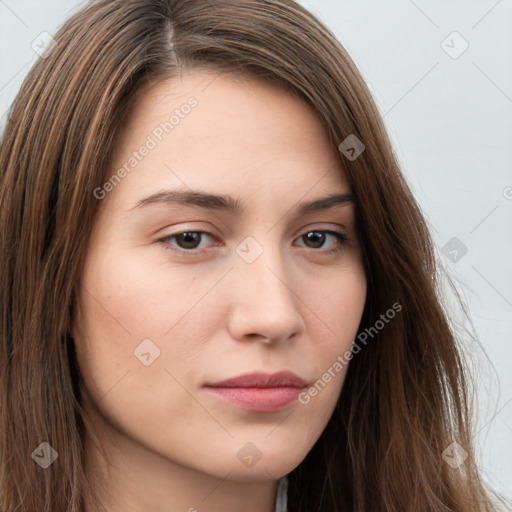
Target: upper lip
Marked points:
261	380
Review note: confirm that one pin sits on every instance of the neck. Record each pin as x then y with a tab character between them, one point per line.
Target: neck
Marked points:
136	479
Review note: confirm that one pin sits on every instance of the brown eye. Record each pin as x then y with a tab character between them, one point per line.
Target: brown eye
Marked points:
186	241
316	239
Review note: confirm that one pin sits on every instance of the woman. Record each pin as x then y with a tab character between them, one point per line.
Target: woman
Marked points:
218	292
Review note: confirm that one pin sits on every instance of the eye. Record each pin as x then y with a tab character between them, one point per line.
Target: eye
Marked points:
187	240
190	241
315	239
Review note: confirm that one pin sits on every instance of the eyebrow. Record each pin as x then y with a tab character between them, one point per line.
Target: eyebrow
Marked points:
234	206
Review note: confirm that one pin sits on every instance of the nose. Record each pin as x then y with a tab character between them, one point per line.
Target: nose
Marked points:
265	305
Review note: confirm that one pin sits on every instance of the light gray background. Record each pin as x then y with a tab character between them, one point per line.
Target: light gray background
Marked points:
450	119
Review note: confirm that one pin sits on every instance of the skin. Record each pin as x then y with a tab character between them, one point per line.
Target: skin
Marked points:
171	445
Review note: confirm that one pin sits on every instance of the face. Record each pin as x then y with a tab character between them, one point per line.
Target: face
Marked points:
211	258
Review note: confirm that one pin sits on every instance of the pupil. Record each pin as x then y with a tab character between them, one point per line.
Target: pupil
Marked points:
317	238
189	240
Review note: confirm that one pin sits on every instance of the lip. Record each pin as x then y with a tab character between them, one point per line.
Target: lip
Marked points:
259	392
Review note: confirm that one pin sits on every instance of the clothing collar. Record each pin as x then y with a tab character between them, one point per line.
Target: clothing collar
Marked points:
282	495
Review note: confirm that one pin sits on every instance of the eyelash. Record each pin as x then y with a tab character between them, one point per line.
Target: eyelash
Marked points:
338	246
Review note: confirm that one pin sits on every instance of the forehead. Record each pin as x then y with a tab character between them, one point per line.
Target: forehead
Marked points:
232	133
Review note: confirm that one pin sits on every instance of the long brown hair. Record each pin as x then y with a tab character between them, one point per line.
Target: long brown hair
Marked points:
405	398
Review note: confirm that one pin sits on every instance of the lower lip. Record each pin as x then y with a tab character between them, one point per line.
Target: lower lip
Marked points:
259	399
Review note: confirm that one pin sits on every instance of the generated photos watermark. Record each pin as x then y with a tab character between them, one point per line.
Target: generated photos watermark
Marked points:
343	360
157	135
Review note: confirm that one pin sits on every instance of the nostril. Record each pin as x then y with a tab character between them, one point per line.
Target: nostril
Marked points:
264	339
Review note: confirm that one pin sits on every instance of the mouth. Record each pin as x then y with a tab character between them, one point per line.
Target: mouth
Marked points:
259	392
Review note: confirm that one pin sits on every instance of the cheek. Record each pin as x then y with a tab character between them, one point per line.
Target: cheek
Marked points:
332	330
137	334
335	307
341	309
131	313
128	294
